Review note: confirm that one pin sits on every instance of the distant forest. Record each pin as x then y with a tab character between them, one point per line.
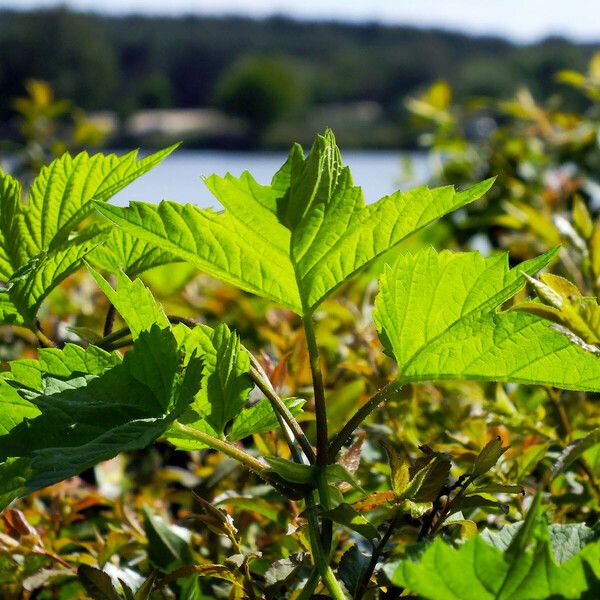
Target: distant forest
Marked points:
264	71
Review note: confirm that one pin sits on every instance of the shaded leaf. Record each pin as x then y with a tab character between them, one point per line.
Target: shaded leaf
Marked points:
346	515
97	583
488	457
167	550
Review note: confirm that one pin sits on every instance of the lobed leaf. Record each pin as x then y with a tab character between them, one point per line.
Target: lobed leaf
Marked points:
89	417
478	571
438	315
297	240
38	247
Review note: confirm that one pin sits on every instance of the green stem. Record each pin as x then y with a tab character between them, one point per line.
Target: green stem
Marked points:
236	453
281	410
118	344
321	425
308	589
321	558
110	320
226	448
319	390
360	415
120	333
45	341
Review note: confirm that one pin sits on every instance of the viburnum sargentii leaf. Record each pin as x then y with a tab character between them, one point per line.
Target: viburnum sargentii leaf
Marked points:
440	316
480	571
297	240
40	243
225	384
89	417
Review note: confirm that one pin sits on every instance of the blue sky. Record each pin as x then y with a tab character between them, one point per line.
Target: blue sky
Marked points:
522	20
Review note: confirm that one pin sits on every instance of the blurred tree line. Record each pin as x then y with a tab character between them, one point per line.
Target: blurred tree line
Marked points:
263	71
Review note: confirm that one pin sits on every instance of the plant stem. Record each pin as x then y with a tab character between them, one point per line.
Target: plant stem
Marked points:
281	410
360	415
236	453
226	448
120	333
118	344
321	558
110	320
319	391
361	588
310	586
113	336
45	341
321	425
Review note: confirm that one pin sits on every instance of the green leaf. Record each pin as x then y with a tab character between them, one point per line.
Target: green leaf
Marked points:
291	471
488	457
134	302
297	240
282	571
438	315
352	568
32	282
345	515
60	364
475	501
167	550
10	201
87	418
478	571
260	418
97	583
566	539
13	408
225	383
14	473
61	195
37	246
216	242
122	251
575	450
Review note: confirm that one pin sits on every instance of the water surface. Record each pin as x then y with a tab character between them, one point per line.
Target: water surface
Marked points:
179	177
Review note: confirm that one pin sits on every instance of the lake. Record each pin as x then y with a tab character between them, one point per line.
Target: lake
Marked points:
179	177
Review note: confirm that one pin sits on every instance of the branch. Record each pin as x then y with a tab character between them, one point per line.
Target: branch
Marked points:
281	410
360	415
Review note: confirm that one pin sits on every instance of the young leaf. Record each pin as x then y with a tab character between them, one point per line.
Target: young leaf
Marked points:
488	457
37	248
122	251
291	471
296	240
345	515
134	302
438	315
400	476
225	383
565	305
574	451
260	418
